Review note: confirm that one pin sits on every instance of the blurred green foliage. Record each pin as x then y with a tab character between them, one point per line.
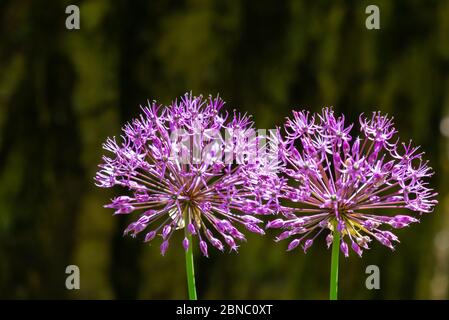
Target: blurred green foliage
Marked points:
62	92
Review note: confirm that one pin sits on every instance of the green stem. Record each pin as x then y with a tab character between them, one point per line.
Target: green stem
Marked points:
190	270
334	266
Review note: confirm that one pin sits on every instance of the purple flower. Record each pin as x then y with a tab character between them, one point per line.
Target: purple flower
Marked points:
334	181
181	173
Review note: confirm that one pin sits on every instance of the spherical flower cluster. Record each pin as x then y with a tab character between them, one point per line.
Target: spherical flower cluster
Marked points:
171	161
338	182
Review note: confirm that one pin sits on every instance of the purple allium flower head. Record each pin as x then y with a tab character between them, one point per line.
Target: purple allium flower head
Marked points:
171	161
342	183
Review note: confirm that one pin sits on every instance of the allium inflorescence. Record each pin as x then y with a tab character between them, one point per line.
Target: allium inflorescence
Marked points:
170	160
337	182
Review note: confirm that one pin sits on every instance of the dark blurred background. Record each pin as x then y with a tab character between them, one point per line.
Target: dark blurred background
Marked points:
62	92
